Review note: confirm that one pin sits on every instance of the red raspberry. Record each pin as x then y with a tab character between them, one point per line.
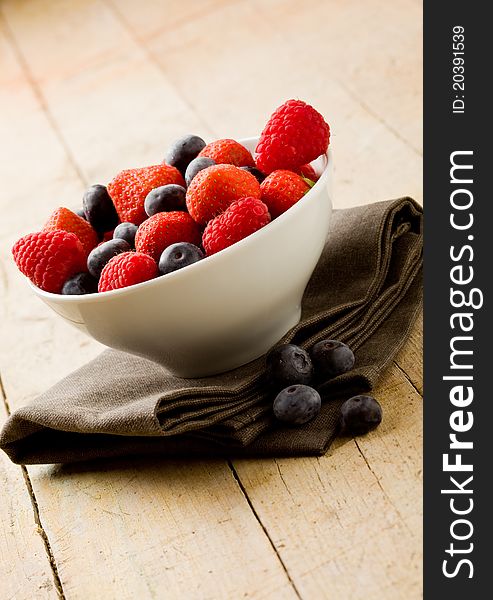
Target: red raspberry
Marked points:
295	135
281	189
228	152
129	189
241	219
66	220
213	189
49	258
309	172
163	229
127	269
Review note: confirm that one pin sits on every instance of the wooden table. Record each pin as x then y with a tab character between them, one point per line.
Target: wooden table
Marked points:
88	87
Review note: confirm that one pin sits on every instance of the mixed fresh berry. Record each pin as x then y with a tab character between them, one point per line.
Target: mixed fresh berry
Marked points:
281	190
297	373
165	198
99	209
259	176
295	135
79	284
63	219
332	358
179	255
242	218
308	172
288	364
49	258
103	253
126	231
228	152
127	269
360	414
213	189
163	229
196	165
129	189
183	151
297	404
153	220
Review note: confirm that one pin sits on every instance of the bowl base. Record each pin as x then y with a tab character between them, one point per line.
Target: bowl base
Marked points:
213	365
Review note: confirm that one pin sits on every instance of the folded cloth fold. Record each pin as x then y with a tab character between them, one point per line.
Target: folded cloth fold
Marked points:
366	291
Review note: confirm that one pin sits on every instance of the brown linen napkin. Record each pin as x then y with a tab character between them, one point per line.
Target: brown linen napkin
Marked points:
365	291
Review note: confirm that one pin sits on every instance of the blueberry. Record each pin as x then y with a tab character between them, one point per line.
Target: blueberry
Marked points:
126	231
165	198
259	176
183	151
197	164
288	364
99	209
100	255
297	404
179	255
81	213
360	415
81	283
331	358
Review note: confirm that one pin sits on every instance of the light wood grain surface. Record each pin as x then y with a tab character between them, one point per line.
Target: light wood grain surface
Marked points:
89	87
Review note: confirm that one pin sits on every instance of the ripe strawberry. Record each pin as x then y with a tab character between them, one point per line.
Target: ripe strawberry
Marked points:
163	229
281	189
295	135
309	172
127	269
66	220
239	220
213	189
49	258
129	189
228	152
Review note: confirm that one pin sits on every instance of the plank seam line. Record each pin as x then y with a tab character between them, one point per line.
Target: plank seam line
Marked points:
408	379
201	11
257	517
37	518
3	393
379	483
283	481
44	536
376	116
39	95
150	56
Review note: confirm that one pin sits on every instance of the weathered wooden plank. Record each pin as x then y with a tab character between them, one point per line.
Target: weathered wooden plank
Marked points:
348	524
36	177
113	108
156	529
25	571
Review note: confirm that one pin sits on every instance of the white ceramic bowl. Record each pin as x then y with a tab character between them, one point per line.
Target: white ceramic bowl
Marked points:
223	311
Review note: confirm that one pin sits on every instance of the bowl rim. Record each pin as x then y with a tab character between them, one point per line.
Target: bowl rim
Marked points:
218	257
